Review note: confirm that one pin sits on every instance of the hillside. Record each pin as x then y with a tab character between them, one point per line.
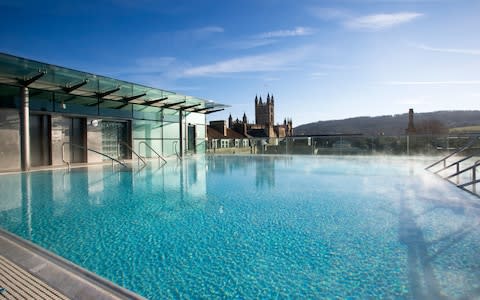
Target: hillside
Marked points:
432	122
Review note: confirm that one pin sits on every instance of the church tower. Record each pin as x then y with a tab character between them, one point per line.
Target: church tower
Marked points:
411	127
264	113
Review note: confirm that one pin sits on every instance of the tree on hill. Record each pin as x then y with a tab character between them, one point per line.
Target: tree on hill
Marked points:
431	127
393	125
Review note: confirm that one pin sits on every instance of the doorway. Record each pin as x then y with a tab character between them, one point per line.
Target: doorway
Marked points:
191	138
113	134
40	140
76	135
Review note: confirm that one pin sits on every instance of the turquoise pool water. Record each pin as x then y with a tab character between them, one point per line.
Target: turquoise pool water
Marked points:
257	227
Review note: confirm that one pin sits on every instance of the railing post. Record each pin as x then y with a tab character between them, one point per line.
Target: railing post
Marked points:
474	178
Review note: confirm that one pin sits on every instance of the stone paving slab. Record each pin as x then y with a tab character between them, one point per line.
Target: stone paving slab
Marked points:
16	283
26	269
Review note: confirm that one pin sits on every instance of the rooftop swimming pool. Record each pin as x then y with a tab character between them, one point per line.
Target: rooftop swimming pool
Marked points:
257	227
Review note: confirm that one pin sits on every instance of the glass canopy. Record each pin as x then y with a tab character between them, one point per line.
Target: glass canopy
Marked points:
24	72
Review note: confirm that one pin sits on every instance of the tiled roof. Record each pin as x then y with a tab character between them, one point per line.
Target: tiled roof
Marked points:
231	134
257	133
234	135
214	134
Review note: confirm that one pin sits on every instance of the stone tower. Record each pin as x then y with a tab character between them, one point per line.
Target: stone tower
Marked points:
264	114
411	127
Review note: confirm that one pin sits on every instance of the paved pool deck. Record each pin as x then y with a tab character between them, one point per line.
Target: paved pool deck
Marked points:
28	271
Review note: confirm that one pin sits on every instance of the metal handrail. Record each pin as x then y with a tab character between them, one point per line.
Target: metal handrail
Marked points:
88	149
150	147
176	151
474	175
133	151
473	140
457	163
462	171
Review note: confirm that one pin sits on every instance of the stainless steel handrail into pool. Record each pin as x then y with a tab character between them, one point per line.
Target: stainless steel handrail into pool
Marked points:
176	151
88	149
133	151
473	140
474	180
150	147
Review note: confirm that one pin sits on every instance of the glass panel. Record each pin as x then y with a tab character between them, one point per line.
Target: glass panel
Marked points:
65	103
195	118
77	83
112	134
40	100
171	138
10	137
146	112
115	109
149	132
9	96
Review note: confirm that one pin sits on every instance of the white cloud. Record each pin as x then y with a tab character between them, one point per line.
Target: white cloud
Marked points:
381	21
348	19
448	82
255	63
328	14
268	38
249	43
297	31
209	29
450	50
205	32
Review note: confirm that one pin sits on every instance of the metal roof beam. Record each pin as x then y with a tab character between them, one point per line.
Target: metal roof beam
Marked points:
71	88
106	93
173	104
27	82
215	110
96	102
71	98
201	109
122	106
190	106
156	100
127	99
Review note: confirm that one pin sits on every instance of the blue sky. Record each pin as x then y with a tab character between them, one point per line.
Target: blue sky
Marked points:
322	60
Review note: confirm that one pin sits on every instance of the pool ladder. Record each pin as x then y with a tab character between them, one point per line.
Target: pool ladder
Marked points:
150	147
460	167
140	159
88	149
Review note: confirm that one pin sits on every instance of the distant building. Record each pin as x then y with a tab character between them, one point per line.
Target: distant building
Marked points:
264	126
220	136
240	131
411	127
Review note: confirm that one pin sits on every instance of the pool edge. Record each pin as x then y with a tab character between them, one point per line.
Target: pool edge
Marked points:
72	280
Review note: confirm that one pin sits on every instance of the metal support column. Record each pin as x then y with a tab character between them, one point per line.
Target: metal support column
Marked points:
180	121
25	129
